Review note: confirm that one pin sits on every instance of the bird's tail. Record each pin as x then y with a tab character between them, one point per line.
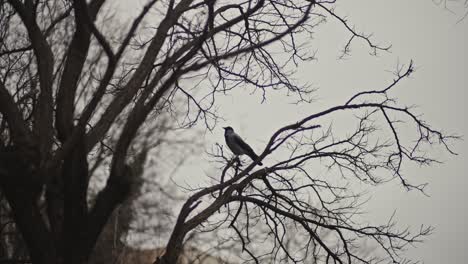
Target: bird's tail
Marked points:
254	157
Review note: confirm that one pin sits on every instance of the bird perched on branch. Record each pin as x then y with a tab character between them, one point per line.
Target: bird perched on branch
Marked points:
237	145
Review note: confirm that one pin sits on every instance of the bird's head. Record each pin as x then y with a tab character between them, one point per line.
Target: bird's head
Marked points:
228	128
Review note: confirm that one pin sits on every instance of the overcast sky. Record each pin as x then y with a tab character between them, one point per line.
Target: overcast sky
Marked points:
434	38
430	35
423	31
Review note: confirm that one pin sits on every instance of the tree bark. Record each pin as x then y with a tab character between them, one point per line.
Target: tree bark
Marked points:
75	176
17	182
37	236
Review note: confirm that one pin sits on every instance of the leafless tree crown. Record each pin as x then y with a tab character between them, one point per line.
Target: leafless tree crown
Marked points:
77	88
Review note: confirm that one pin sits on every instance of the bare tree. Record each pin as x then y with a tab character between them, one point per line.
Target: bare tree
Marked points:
324	210
74	85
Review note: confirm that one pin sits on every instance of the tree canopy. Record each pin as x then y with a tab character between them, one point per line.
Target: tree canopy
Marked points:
77	85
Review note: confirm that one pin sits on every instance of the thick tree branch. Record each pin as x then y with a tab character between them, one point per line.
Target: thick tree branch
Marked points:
76	57
17	126
43	129
144	68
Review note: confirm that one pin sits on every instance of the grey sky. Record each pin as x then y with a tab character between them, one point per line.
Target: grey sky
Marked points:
421	30
418	30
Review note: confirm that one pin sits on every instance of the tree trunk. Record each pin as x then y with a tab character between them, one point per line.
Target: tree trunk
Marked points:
173	250
31	224
20	183
75	176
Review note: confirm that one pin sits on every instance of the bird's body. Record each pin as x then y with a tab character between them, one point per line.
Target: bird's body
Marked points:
237	145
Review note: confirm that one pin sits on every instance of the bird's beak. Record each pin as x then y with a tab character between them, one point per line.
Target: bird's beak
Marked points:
224	127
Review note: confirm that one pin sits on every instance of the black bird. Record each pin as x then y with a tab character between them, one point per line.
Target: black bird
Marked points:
237	145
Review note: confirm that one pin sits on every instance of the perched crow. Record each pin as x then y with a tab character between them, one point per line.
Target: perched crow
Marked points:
237	145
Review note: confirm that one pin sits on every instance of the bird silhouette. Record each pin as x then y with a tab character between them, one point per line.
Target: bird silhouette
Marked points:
237	145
